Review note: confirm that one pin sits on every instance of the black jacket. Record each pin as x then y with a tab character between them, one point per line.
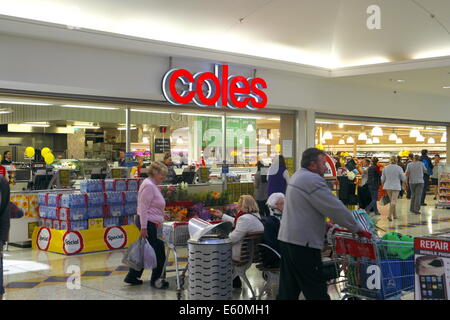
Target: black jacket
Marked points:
4	214
270	237
373	178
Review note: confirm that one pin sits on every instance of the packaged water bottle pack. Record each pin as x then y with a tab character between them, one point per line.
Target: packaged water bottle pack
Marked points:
111	222
126	220
131	196
95	199
91	185
72	214
57	224
48	223
114	198
116	211
48	212
73	200
42	199
74	225
130	209
53	199
132	184
95	212
115	185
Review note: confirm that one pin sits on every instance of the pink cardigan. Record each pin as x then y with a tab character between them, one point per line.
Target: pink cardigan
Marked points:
151	203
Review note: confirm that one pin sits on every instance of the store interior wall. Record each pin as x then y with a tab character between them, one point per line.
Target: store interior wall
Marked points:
58	67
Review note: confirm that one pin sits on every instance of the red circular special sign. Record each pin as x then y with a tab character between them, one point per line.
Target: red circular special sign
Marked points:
73	242
115	238
43	239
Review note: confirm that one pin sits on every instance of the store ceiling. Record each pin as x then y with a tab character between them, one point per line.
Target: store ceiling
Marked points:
323	33
423	81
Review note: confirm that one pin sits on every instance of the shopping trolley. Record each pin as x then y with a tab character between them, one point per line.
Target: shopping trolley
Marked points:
175	235
370	268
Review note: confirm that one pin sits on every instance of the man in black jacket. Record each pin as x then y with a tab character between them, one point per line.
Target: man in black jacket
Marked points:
426	176
373	182
4	225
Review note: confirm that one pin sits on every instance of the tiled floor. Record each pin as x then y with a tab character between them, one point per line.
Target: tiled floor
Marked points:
32	274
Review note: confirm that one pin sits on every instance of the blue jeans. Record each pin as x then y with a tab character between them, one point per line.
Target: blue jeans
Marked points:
374	195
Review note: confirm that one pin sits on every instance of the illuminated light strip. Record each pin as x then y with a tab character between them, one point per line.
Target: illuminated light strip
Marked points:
89	107
200	115
132	128
150	111
86	127
35	125
26	103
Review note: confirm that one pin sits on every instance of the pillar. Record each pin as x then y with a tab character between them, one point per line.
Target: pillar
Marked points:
305	132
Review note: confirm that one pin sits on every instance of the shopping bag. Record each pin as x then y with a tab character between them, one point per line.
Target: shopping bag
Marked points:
134	257
385	200
14	211
149	256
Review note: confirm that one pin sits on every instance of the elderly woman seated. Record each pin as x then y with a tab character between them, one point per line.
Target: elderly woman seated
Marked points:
271	228
246	221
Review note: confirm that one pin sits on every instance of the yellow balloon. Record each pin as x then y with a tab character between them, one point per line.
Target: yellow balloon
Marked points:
319	146
49	158
278	148
44	151
29	152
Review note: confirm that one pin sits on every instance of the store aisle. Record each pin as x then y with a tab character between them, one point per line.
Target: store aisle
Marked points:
32	274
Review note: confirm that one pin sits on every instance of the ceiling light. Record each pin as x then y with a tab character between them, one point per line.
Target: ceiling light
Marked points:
124	128
88	107
6	110
362	136
414	133
420	138
377	131
376	140
180	140
327	135
145	140
350	140
250	128
369	141
149	111
341	125
446	87
341	141
36	125
431	140
399	141
25	103
274	119
401	80
392	137
85	127
444	138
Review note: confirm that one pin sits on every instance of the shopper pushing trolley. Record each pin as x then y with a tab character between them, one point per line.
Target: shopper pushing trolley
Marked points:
308	202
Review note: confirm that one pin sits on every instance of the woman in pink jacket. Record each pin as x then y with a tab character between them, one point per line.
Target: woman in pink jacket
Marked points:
150	210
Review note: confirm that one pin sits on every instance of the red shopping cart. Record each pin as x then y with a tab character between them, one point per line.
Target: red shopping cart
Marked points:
369	268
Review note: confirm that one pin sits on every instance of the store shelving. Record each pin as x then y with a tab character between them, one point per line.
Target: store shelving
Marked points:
444	190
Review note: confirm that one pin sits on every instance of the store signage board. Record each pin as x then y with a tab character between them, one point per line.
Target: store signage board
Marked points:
432	267
162	145
331	168
219	89
287	148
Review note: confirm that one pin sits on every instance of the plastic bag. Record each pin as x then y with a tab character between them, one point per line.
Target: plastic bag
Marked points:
140	255
134	257
385	200
149	256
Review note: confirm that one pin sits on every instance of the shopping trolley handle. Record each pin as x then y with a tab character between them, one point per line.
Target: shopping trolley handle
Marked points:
361	233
